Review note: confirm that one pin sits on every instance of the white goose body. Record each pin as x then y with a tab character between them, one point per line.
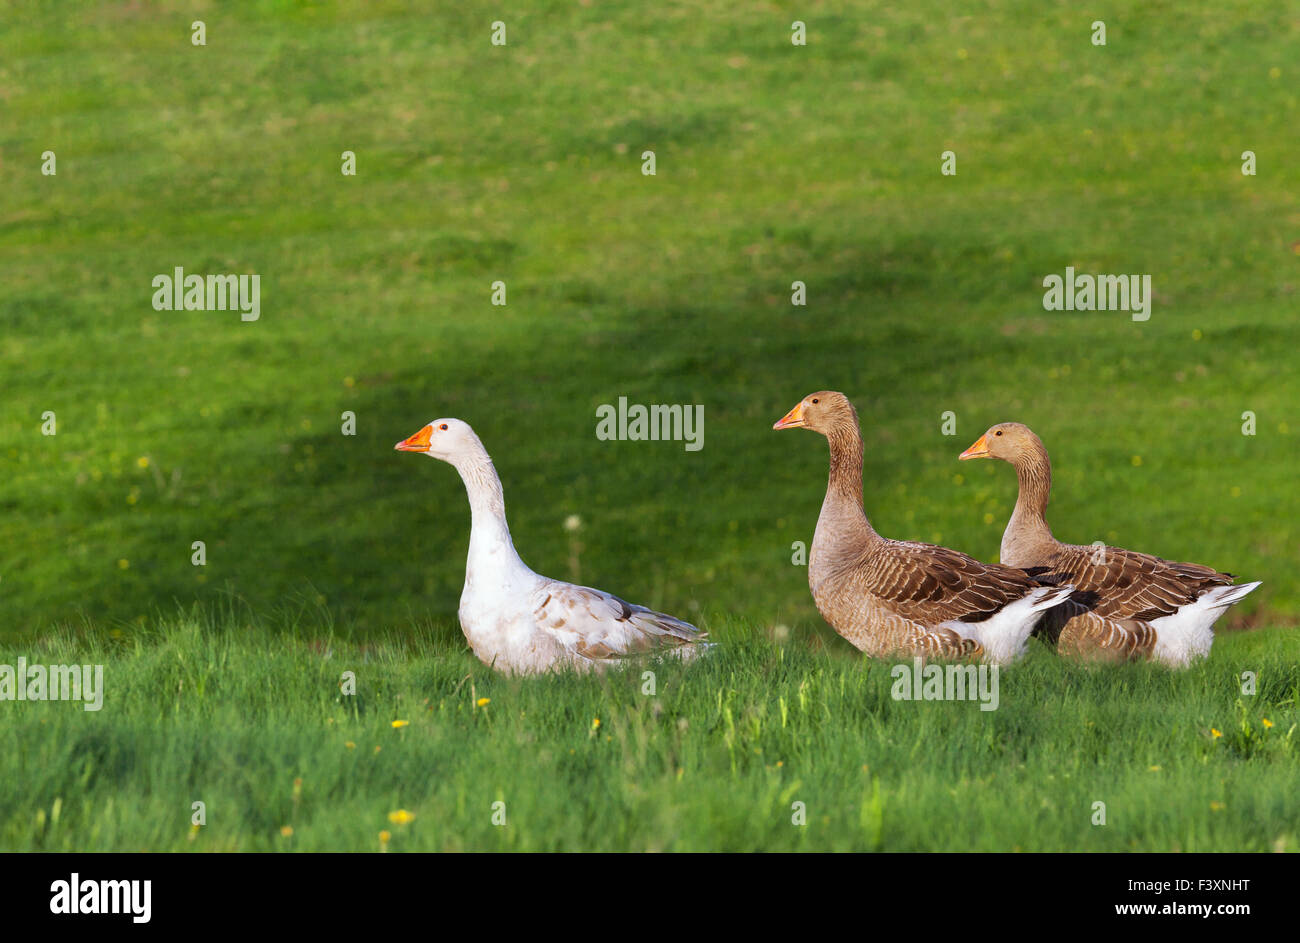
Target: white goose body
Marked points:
518	621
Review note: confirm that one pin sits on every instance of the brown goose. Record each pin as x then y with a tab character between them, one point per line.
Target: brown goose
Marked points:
1126	605
891	597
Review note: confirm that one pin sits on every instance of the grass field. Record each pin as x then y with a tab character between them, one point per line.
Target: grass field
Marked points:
522	163
230	715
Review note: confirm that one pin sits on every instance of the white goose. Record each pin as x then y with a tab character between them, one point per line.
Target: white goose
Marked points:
518	621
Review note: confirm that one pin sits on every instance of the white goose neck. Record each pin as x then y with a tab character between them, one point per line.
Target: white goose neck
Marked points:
483	486
490	545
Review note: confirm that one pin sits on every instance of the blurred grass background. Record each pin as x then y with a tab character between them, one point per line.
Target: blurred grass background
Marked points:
522	163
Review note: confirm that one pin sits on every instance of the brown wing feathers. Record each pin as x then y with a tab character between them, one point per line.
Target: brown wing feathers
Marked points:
1122	584
933	584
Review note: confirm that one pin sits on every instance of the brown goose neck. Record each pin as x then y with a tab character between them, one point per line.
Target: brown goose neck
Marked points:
1034	474
846	463
844	488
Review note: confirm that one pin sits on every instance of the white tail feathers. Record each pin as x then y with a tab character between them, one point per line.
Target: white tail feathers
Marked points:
1189	632
1221	597
1046	597
1004	635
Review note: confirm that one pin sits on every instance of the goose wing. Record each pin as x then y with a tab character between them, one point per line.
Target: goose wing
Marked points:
600	625
933	585
1122	584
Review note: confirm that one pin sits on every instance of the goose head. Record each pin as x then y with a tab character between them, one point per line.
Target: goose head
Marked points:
822	412
1010	441
445	439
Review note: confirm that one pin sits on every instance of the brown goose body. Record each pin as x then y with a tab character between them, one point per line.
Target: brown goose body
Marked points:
1126	605
891	597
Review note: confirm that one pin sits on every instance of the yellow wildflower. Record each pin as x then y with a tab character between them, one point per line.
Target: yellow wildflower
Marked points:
399	724
401	817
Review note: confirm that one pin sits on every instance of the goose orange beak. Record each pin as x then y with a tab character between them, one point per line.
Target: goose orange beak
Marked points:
416	443
791	420
979	450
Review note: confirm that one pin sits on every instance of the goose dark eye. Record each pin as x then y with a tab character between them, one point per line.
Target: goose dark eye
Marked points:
999	432
814	399
443	427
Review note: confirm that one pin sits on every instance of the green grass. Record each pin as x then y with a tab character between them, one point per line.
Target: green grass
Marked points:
224	712
522	164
